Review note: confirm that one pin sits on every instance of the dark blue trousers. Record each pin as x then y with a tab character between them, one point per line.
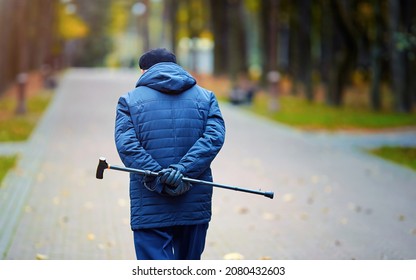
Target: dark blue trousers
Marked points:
170	243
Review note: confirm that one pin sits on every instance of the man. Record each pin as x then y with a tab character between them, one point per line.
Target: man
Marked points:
171	125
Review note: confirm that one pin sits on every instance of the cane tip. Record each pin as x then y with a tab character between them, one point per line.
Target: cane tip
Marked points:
269	195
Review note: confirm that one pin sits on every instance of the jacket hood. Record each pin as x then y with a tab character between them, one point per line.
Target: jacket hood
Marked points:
166	77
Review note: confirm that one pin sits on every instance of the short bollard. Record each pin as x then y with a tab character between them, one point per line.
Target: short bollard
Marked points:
21	93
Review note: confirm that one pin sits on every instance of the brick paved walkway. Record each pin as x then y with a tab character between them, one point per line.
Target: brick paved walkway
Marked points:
332	200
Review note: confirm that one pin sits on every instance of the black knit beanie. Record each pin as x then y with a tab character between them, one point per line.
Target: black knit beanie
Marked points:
154	56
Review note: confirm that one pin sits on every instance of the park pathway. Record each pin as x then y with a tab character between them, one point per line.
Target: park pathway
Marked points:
332	200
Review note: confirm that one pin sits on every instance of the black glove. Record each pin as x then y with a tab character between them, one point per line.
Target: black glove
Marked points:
151	182
171	177
174	185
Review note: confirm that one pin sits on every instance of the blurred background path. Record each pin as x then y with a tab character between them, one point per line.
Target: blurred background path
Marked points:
332	200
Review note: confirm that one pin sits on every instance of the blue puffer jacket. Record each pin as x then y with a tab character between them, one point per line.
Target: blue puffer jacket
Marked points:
169	119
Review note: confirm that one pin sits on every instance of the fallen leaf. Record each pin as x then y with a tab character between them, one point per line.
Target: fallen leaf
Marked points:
91	236
328	189
56	200
288	197
315	179
265	258
40	177
301	181
354	207
28	209
41	257
64	220
233	256
402	218
304	216
344	221
268	216
104	246
325	210
241	210
65	193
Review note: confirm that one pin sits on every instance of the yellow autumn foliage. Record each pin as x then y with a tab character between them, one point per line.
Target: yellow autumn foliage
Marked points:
70	25
119	13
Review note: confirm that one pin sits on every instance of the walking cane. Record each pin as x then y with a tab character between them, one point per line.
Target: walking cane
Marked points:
102	165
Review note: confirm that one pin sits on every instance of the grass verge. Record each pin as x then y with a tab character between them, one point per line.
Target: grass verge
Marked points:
405	156
300	113
19	127
6	163
354	116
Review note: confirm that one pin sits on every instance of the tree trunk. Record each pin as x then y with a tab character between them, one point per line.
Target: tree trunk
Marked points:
398	57
294	50
375	99
4	44
273	33
345	51
273	76
145	27
220	30
409	18
327	49
305	51
236	41
22	35
171	8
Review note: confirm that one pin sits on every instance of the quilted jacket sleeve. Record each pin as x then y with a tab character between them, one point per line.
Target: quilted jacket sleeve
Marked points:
206	148
128	145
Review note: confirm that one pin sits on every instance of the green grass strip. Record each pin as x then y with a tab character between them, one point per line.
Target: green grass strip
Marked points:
300	113
19	127
402	155
6	163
